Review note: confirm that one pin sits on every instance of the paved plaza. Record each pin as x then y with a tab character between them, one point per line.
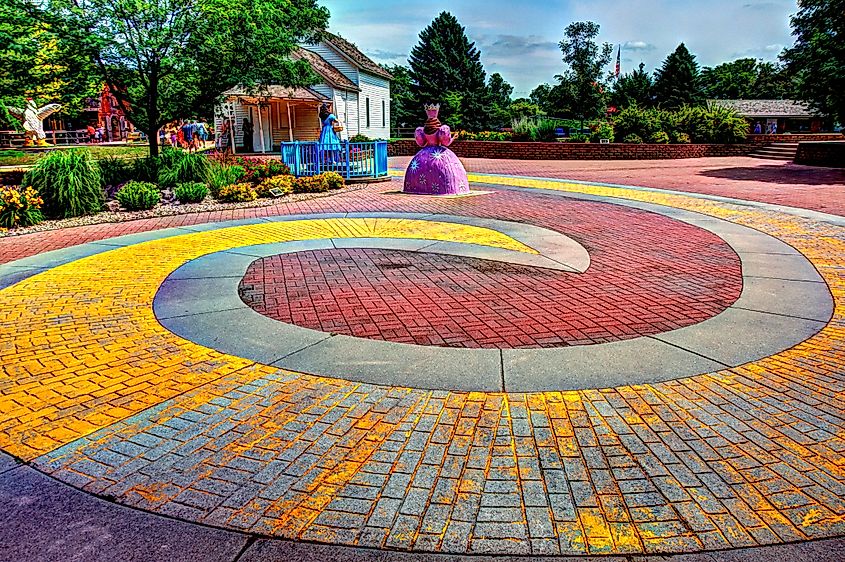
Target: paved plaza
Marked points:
618	366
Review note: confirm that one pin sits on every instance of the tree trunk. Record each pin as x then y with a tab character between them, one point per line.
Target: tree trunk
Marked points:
153	139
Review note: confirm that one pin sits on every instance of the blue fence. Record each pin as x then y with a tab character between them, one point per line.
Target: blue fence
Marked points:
349	159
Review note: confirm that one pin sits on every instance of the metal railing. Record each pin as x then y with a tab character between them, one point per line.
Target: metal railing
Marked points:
349	159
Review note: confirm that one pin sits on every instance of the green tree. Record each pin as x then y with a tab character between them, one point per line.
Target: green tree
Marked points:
39	63
499	93
817	60
745	78
170	59
446	61
676	83
524	107
403	112
633	89
586	61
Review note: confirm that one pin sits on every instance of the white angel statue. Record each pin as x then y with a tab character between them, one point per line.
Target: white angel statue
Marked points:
33	120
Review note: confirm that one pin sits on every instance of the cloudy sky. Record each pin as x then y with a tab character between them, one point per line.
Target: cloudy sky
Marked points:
519	38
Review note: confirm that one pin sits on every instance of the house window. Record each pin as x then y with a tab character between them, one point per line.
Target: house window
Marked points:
368	113
383	114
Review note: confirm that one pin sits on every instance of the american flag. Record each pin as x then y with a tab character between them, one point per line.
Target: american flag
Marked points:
619	61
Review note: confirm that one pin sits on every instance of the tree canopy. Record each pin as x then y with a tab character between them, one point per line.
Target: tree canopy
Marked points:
633	89
745	78
171	59
676	83
499	94
446	68
583	80
403	113
817	60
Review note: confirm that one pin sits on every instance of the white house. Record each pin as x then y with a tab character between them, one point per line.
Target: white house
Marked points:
353	85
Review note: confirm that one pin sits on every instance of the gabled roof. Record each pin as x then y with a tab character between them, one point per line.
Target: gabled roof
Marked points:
277	92
330	74
767	108
353	53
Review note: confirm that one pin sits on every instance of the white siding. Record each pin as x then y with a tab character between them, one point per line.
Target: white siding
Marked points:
241	112
335	59
378	91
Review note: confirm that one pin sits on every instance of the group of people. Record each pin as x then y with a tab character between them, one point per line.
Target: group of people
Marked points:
96	134
189	134
772	128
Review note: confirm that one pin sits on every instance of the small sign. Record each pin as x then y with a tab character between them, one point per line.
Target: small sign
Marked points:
604	141
277	192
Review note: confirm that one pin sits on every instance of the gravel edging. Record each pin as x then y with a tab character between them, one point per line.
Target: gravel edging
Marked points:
169	210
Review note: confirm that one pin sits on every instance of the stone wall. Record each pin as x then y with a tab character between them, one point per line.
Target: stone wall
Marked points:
829	154
578	151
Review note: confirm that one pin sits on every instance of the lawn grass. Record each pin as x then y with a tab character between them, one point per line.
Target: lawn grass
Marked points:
14	157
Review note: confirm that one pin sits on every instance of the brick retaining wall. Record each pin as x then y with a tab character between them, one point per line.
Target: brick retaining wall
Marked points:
828	154
578	151
768	139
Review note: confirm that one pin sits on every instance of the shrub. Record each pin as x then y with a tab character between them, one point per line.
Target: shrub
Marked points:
725	125
313	184
360	138
145	169
633	139
489	136
190	192
578	138
69	182
177	166
546	130
659	138
524	129
334	180
602	131
237	193
640	122
257	170
138	196
19	207
115	171
221	175
282	183
679	138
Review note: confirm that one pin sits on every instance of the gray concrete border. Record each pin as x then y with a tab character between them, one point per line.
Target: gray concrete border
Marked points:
784	301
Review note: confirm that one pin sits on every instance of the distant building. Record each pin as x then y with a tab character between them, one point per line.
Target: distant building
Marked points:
356	89
789	116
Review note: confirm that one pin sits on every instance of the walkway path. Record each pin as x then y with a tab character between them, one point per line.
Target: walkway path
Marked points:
97	394
780	183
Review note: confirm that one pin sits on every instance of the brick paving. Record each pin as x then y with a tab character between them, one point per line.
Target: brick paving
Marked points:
95	392
638	283
752	179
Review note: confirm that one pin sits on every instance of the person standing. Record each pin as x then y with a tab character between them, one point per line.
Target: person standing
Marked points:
188	134
329	142
248	131
202	132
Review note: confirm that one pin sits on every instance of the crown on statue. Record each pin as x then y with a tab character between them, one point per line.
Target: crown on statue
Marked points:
431	110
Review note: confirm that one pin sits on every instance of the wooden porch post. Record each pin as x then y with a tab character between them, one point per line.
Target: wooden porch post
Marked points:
290	124
261	128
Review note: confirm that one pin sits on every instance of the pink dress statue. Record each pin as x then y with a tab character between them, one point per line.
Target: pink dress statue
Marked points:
435	170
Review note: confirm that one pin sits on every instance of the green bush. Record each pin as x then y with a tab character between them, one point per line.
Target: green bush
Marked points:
578	138
145	169
659	138
360	138
281	183
333	180
488	136
715	124
178	166
115	171
221	175
633	139
237	193
313	184
19	207
524	129
602	131
138	196
546	130
643	123
679	138
70	183
257	170
190	192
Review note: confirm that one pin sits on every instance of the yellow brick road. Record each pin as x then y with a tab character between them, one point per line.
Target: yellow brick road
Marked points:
101	396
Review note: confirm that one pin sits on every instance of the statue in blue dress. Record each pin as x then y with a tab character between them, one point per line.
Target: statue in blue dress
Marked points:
328	136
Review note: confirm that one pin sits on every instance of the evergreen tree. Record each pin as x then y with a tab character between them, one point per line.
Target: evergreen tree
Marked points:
582	83
446	62
633	88
817	60
676	83
403	113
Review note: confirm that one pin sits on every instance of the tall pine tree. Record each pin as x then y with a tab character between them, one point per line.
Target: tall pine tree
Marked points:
445	65
677	82
633	88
